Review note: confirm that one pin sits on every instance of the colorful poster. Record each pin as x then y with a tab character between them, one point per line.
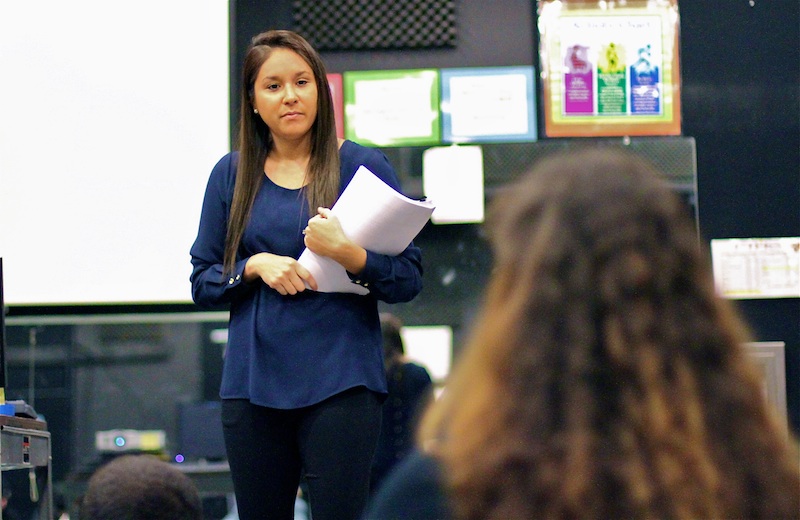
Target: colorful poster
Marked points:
645	81
578	80
612	91
609	72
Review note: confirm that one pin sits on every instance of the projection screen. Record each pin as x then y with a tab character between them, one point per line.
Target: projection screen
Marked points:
112	115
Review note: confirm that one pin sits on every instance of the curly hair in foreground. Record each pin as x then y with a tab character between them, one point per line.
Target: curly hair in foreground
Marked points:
604	377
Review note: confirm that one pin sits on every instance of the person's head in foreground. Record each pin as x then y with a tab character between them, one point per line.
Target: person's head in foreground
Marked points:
604	377
140	487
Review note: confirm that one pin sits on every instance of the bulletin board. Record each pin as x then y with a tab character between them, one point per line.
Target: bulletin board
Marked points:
610	68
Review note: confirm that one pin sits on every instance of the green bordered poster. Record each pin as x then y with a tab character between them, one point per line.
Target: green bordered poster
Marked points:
610	68
392	107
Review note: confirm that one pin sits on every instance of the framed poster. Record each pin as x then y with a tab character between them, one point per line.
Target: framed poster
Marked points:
610	72
488	104
392	107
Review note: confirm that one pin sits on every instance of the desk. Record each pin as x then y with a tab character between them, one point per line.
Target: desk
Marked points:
25	444
211	478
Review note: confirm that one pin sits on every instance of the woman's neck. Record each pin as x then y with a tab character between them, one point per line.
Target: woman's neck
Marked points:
291	150
287	163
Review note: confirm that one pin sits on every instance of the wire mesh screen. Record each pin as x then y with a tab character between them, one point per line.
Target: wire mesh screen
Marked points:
675	157
457	259
332	25
503	162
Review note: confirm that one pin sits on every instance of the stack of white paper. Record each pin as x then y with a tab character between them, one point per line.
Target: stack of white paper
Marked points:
374	216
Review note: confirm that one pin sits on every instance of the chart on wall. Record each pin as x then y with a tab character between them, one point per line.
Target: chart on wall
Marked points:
756	268
610	69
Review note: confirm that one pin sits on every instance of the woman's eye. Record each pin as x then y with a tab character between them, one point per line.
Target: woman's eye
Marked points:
302	82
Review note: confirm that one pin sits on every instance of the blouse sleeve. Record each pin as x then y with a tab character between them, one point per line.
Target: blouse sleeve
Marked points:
392	279
210	285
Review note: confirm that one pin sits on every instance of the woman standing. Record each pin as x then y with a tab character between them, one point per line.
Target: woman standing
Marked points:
303	377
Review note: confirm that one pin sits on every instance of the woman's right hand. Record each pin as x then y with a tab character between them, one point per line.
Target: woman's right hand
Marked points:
282	273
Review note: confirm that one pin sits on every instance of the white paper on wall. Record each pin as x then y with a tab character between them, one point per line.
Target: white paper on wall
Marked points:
453	177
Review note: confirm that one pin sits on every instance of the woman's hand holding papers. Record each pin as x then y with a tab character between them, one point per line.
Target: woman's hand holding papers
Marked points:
284	274
325	237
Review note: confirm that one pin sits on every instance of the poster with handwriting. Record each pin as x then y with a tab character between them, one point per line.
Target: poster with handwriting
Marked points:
392	107
488	104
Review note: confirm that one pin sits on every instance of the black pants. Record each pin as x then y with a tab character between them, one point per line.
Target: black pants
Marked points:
331	444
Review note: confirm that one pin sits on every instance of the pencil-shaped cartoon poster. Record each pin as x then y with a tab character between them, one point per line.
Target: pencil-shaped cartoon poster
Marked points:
645	82
612	92
578	80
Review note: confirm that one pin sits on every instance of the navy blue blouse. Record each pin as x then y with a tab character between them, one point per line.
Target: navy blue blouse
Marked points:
296	350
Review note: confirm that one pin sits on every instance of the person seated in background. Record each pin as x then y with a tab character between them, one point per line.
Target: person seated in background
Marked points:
604	378
410	389
140	487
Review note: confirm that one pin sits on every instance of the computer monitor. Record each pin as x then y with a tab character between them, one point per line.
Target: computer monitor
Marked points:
200	432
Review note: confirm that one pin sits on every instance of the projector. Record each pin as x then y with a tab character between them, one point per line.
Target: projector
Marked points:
117	441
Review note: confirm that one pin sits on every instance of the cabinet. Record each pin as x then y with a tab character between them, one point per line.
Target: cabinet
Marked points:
25	444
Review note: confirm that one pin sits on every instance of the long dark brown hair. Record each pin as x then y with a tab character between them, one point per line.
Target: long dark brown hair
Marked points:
255	138
604	377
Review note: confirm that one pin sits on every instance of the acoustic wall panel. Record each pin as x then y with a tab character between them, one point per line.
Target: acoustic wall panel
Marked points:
368	25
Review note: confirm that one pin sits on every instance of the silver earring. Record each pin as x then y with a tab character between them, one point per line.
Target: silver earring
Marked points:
255	111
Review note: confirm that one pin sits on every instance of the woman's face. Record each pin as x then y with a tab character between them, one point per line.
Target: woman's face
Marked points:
285	95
